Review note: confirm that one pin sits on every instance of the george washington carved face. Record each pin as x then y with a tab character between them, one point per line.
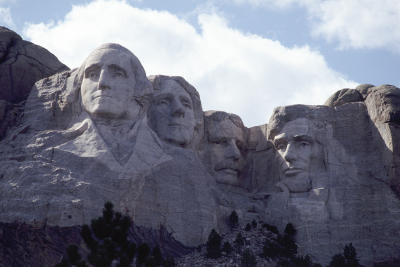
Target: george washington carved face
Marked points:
108	84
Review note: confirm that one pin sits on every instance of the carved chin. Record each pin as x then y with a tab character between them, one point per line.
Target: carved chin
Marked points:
227	176
298	184
179	136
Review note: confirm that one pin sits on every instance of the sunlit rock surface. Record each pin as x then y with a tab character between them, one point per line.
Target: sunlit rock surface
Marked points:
107	132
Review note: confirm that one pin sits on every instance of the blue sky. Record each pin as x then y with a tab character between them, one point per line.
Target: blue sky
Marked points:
243	56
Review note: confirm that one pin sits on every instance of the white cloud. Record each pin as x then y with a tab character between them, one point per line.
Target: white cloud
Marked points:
235	72
5	17
351	23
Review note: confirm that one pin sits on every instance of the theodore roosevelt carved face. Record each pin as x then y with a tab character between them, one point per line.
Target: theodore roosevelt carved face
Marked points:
225	146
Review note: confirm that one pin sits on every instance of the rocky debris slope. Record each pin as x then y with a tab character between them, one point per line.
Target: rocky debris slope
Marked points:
40	246
255	244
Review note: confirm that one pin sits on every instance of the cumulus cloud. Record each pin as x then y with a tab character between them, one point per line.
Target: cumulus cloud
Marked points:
236	72
351	23
5	17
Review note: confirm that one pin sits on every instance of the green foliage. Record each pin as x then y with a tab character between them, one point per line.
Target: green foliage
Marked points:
290	230
214	245
337	261
254	224
142	254
156	254
248	259
348	259
227	248
169	262
107	241
271	228
248	227
73	258
239	241
271	250
233	220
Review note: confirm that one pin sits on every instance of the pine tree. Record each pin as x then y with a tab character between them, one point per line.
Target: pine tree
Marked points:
214	245
233	220
337	261
347	259
239	241
107	241
350	254
143	252
288	241
248	259
227	248
73	258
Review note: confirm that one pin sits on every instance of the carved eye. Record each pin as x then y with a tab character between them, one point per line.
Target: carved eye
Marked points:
118	74
92	74
280	146
186	103
164	101
304	143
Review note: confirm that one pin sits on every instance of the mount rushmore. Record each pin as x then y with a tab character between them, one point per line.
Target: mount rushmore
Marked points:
107	132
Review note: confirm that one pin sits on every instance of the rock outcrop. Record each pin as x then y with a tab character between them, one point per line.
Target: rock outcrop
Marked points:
107	132
22	63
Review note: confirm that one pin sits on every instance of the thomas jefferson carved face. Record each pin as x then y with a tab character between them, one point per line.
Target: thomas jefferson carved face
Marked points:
297	146
224	151
108	84
172	115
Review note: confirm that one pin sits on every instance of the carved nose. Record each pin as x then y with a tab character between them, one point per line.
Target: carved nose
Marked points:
232	150
103	80
177	109
290	153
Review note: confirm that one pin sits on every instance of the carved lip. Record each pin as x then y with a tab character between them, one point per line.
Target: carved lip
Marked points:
175	124
100	96
292	171
230	171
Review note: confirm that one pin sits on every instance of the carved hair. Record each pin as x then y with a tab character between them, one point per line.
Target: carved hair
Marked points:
317	115
218	116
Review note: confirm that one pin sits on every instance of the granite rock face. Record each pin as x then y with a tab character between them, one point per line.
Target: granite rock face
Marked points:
106	132
22	64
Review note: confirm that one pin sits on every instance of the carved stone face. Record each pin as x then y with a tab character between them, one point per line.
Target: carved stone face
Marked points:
298	148
172	115
108	84
225	146
387	103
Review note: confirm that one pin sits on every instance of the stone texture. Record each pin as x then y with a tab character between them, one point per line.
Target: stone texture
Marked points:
106	132
22	64
344	96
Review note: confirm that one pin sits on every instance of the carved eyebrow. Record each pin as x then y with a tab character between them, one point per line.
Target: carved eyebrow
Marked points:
115	67
162	96
92	67
300	138
186	100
